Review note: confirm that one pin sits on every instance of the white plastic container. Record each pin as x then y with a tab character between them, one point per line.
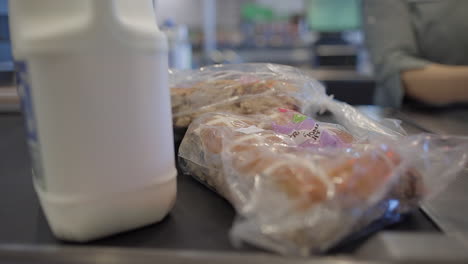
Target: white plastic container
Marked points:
180	49
93	79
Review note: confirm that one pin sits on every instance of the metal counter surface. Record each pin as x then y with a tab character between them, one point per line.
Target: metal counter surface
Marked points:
451	121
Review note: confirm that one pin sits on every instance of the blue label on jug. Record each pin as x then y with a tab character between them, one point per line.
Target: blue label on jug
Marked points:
25	92
24	88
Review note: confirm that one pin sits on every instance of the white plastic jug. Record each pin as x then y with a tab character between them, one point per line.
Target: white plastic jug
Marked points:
93	79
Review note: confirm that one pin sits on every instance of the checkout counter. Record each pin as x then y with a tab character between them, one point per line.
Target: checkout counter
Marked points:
196	231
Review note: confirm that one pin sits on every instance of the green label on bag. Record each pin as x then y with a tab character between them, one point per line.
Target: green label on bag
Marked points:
297	118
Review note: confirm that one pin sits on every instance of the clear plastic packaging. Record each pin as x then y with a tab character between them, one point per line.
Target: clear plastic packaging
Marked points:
239	88
259	88
299	196
300	186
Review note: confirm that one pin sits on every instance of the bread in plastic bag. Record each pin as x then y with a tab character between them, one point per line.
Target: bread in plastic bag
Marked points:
300	186
243	89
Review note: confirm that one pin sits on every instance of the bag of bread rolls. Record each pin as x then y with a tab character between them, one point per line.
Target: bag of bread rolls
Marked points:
301	186
243	89
257	88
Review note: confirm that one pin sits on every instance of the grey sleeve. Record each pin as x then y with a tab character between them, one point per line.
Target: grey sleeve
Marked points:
392	46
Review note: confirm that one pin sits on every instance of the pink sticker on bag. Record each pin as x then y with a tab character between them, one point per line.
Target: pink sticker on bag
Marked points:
305	132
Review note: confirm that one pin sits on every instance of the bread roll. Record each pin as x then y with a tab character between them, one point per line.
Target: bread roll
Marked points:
243	97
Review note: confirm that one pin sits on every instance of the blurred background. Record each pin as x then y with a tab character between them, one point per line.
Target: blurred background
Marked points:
322	37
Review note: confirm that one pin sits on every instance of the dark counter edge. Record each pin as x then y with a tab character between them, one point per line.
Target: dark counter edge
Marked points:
26	254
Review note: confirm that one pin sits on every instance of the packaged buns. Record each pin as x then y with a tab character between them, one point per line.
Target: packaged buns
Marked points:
242	89
299	185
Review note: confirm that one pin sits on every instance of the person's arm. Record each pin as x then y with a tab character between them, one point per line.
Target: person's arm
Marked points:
399	68
392	47
437	84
